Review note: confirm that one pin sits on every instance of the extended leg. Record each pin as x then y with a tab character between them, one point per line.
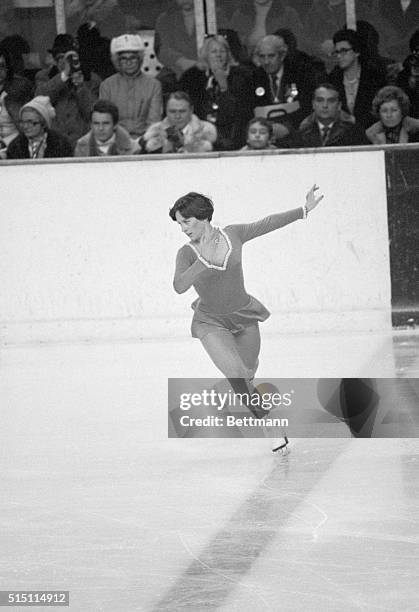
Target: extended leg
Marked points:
248	346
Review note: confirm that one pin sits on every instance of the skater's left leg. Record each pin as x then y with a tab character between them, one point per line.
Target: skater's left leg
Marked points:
248	346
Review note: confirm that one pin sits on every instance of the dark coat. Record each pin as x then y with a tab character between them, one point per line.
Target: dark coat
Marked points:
369	83
343	133
305	79
19	92
235	106
57	146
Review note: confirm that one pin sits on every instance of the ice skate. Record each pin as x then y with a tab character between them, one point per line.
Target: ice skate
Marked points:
280	445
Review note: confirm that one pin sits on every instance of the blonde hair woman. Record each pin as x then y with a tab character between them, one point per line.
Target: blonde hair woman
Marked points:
221	92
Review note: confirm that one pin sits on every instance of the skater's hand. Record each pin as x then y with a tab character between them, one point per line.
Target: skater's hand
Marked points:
311	199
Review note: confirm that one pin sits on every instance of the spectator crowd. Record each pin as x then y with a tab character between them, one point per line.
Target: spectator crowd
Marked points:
249	87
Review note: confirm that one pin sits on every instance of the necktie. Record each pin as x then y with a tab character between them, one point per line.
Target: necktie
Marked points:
274	87
325	134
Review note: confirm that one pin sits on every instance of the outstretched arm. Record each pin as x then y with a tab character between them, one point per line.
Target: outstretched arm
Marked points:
273	222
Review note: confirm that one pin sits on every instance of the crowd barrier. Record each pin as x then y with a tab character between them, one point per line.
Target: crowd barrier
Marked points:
402	170
87	248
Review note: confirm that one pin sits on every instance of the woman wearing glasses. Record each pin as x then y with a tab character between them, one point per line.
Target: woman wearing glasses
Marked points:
355	80
14	92
37	140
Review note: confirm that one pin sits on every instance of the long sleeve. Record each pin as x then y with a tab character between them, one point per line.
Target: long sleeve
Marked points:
248	231
156	104
188	268
53	87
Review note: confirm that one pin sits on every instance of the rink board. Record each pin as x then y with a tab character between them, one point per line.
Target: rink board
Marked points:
87	248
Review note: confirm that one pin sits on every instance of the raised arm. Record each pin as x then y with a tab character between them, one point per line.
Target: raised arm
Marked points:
187	270
249	231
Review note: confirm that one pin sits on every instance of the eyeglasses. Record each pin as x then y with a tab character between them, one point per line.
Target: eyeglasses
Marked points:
29	123
129	58
342	51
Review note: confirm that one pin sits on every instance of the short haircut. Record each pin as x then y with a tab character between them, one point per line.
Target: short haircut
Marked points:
350	36
388	94
261	121
326	86
180	95
104	106
193	205
270	38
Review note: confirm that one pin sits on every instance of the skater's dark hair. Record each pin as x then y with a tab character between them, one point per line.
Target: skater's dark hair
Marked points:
193	205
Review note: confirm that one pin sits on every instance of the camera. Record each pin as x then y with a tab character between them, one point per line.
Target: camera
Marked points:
73	61
175	137
413	59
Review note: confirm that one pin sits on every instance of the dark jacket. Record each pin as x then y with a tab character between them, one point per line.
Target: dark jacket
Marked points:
304	79
19	91
73	105
369	83
343	133
57	146
230	110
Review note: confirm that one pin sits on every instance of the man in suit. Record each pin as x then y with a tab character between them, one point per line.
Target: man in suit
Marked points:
277	81
328	125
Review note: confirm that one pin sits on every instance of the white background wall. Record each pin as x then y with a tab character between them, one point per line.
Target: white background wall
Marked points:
87	250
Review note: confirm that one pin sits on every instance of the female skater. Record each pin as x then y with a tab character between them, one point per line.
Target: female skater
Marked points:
226	318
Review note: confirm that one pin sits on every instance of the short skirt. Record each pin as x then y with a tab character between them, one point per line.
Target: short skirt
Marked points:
205	322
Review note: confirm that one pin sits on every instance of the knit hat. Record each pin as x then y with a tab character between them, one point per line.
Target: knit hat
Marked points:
42	105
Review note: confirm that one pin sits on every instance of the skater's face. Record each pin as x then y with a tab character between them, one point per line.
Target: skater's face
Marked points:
192	227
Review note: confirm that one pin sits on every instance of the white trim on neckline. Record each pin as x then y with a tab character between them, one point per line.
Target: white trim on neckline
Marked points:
227	255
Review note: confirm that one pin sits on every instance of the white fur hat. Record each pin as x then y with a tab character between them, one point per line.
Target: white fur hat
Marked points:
127	42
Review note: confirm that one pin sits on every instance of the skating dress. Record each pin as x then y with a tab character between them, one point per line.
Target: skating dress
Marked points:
223	302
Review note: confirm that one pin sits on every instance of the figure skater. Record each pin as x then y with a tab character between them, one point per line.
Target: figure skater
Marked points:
226	318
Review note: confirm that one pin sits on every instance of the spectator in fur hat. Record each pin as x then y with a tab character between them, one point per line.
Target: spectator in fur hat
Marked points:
37	139
138	96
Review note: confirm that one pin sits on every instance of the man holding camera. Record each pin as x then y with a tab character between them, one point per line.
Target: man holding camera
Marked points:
181	131
72	89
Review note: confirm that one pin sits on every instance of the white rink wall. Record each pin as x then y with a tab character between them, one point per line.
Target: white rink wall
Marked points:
87	248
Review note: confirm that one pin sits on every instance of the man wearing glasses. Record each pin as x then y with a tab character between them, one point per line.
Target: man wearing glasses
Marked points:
356	82
137	96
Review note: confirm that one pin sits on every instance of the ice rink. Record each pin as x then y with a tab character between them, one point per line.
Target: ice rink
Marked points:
96	500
